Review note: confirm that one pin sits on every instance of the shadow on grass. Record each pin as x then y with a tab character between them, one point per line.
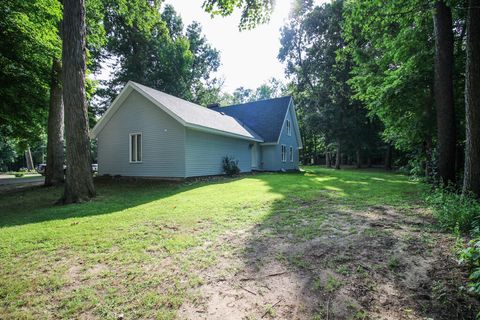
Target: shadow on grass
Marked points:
296	230
38	204
355	248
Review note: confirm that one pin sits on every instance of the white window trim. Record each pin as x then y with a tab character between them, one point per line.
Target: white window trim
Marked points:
291	154
289	127
283	153
130	146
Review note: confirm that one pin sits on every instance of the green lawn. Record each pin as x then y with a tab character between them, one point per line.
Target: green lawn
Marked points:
136	249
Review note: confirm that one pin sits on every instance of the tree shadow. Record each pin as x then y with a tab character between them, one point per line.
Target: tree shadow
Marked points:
352	245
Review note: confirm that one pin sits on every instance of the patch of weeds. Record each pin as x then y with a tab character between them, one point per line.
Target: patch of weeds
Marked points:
333	284
362	272
299	261
393	263
317	284
439	292
270	311
360	315
372	232
343	270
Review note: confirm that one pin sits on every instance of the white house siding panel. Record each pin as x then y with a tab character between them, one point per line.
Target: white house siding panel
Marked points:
205	151
272	154
163	141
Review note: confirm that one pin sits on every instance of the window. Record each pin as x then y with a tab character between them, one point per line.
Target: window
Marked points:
135	147
291	154
284	153
289	127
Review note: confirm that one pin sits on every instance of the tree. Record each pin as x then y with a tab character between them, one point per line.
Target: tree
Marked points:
443	90
79	182
313	50
152	48
253	11
54	173
471	182
28	38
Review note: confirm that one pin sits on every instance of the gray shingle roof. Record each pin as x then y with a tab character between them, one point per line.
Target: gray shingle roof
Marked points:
265	117
194	115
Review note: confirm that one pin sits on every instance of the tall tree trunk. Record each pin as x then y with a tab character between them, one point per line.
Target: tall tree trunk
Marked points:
443	89
338	157
327	160
471	180
429	128
28	159
79	182
55	158
388	158
359	165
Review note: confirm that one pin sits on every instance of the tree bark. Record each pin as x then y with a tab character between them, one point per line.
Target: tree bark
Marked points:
388	158
358	164
338	157
28	159
471	179
443	91
54	174
327	160
79	182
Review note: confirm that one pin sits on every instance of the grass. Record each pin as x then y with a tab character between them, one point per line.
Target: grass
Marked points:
134	250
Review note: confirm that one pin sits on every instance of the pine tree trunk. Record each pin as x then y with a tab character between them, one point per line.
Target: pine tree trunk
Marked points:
388	158
338	157
54	172
471	180
327	160
79	182
443	91
359	165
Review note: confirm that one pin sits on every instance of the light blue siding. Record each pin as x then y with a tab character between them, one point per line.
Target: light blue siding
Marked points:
163	141
272	154
204	153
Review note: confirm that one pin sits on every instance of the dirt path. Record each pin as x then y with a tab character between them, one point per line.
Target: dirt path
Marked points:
380	263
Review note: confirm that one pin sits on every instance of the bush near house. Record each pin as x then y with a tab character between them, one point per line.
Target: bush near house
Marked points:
230	166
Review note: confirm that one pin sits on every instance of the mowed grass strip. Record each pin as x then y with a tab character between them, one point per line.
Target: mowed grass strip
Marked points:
135	249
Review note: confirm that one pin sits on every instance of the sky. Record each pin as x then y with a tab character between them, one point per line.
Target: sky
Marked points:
249	57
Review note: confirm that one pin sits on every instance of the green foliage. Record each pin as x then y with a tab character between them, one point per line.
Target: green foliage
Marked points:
313	48
152	48
19	174
28	42
454	210
470	256
230	166
253	11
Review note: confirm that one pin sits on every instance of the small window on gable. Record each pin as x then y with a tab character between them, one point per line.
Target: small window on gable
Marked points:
284	153
291	154
289	127
135	147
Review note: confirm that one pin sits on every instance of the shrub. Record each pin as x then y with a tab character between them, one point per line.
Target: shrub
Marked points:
19	174
453	210
470	256
230	166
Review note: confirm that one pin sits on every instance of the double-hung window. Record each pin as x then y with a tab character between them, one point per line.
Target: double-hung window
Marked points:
135	147
291	154
289	127
284	153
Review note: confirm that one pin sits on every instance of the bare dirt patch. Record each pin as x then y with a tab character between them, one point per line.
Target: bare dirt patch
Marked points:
380	263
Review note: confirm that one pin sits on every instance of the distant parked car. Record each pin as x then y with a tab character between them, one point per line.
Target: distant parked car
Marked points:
42	167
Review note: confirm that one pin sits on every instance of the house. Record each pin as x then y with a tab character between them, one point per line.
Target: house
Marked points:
148	133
